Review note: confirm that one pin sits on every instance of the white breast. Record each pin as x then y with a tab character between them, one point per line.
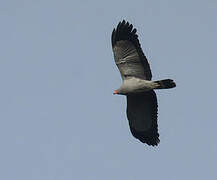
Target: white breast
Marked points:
135	85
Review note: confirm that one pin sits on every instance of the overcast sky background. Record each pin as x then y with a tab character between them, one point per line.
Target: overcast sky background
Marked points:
58	116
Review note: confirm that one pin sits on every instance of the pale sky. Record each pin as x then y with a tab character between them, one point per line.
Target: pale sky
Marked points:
59	118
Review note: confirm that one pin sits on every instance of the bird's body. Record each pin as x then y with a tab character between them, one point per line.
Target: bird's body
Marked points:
137	84
133	85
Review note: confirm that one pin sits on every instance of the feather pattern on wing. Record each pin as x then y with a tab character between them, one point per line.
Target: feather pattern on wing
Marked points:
142	117
128	54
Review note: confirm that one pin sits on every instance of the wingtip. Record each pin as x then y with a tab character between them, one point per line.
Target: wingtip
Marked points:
124	31
151	139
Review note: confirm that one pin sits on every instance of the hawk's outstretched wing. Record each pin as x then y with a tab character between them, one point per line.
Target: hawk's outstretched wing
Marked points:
142	116
128	54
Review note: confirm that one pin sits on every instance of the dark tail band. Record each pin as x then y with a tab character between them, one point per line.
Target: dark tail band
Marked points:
165	84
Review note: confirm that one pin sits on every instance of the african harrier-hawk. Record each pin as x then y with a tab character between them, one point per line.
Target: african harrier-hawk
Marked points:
137	85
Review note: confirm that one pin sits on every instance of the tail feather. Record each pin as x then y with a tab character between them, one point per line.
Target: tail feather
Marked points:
165	84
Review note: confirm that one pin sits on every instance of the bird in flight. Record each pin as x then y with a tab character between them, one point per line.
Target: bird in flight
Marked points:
137	85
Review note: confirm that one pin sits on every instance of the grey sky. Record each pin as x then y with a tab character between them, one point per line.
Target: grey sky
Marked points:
59	119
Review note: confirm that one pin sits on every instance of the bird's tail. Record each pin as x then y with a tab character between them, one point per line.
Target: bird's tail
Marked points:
165	84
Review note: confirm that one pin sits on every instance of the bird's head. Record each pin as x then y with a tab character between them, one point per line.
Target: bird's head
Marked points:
119	91
116	91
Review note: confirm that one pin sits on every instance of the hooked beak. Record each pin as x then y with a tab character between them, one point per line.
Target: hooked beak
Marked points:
115	92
